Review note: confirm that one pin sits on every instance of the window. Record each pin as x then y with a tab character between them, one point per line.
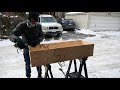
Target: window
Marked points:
48	19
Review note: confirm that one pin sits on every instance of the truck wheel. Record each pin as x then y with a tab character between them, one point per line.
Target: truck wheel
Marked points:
59	35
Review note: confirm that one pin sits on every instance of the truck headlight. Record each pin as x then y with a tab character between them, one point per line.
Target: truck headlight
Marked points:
44	28
60	27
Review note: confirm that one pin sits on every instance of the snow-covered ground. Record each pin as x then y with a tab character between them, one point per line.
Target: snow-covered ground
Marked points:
105	63
6	43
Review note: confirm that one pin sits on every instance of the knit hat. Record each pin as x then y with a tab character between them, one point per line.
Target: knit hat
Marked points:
33	15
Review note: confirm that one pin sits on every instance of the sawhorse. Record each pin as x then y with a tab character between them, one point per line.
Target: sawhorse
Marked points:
48	68
77	74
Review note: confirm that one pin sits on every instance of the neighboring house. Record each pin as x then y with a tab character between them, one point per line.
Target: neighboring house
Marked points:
55	14
96	20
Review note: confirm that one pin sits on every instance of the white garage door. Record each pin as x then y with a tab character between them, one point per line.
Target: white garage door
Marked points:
104	23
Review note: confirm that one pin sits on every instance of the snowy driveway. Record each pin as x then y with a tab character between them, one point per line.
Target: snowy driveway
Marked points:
104	64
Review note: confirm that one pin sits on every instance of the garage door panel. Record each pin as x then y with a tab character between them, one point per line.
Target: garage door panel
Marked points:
104	23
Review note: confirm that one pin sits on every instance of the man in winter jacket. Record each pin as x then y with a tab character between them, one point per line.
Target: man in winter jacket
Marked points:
32	35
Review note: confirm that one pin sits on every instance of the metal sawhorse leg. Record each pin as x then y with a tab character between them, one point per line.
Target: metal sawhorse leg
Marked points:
77	74
48	68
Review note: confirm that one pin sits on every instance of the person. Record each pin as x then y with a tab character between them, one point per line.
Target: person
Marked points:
27	33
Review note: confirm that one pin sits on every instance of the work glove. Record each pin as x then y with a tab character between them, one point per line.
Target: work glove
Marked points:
36	41
19	43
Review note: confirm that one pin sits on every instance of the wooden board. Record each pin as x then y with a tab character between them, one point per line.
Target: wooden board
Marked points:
61	51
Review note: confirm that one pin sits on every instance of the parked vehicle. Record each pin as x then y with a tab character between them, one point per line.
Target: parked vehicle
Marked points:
67	24
50	26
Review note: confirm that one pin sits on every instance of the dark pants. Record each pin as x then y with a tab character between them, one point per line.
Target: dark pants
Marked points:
39	70
27	64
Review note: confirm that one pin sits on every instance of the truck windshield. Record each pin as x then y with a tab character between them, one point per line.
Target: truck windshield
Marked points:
48	19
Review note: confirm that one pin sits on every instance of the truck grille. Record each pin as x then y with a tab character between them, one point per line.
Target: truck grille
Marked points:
53	27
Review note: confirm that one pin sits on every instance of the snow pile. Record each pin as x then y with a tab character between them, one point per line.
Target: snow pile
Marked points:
110	33
6	43
52	40
85	31
105	35
73	12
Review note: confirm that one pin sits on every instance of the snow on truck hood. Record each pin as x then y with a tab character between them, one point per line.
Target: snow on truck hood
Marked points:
51	24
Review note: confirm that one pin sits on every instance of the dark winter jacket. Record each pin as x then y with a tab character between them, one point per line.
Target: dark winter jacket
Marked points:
28	34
